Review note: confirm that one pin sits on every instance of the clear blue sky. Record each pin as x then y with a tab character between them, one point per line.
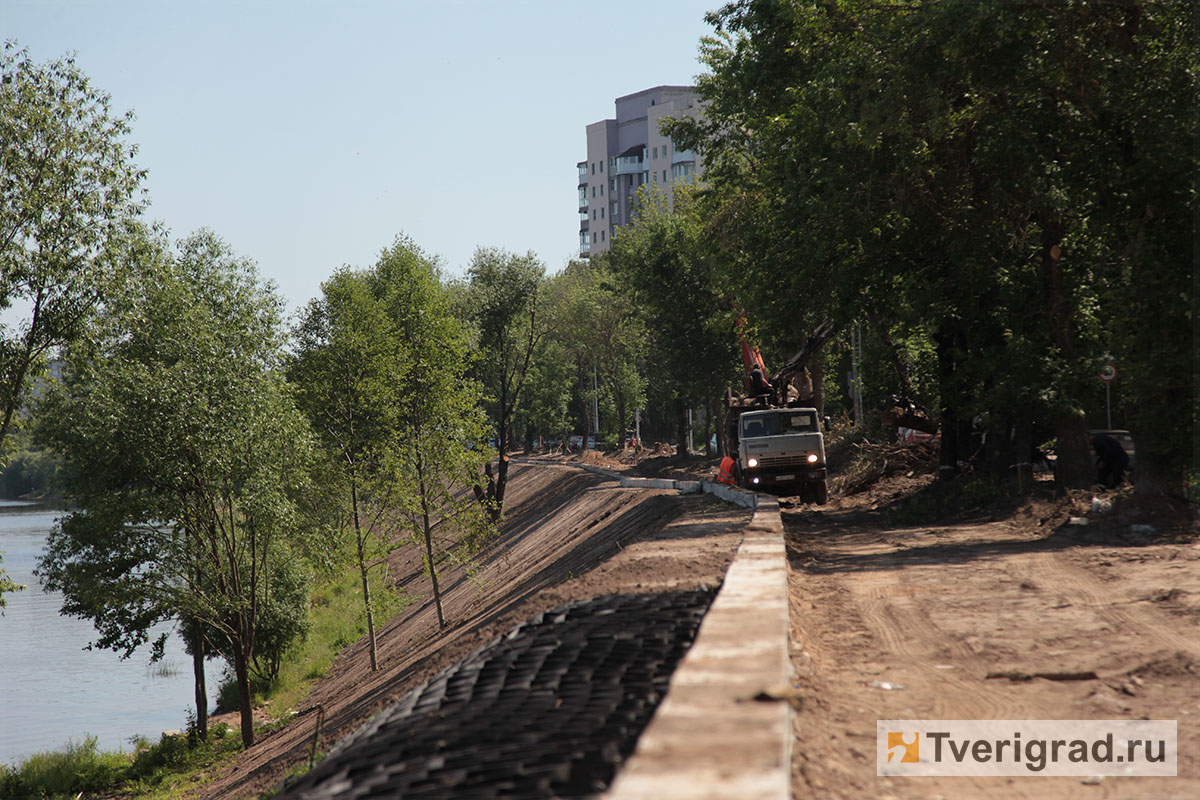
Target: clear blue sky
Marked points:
309	134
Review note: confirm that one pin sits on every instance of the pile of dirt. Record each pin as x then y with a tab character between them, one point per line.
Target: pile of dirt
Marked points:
596	458
866	463
568	535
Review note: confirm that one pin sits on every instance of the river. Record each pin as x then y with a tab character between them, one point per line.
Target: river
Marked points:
52	690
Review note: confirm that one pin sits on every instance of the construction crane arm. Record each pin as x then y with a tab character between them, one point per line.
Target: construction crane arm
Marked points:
794	365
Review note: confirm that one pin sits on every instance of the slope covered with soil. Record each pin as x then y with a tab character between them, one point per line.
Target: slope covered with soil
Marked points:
568	535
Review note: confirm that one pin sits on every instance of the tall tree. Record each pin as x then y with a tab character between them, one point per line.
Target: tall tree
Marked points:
504	302
68	194
594	323
663	265
68	191
439	450
182	455
347	363
991	172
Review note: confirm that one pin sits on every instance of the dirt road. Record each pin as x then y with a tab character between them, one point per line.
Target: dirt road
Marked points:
1018	615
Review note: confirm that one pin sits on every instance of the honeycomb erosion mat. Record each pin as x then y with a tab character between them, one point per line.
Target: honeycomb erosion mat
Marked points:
550	709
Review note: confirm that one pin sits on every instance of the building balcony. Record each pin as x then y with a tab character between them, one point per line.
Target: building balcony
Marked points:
631	160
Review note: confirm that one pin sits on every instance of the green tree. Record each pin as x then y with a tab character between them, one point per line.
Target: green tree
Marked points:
665	268
992	173
348	359
183	454
439	451
68	194
594	324
505	304
68	191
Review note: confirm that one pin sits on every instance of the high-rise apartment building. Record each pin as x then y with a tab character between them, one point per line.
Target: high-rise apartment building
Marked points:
626	153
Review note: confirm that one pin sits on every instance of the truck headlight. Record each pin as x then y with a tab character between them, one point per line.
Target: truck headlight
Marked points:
812	458
752	462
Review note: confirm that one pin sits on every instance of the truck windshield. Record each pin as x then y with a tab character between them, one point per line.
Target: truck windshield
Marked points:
778	423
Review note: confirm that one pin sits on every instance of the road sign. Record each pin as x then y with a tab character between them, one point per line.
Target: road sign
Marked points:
1107	373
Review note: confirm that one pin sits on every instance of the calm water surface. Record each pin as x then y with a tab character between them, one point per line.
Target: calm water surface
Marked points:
51	689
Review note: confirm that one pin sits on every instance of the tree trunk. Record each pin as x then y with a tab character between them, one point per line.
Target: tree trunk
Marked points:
428	531
199	680
818	383
683	428
241	671
946	342
366	583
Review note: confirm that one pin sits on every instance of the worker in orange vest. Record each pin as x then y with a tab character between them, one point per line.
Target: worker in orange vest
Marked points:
725	473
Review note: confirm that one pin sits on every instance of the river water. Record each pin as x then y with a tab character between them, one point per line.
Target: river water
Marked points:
52	690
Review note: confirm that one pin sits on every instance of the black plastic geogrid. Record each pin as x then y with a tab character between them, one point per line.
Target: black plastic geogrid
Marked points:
549	710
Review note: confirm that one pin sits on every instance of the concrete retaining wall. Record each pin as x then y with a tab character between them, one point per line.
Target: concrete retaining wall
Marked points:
717	734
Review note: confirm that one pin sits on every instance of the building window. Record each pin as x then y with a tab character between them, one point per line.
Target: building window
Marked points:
602	236
664	176
593	167
602	190
602	213
656	152
602	166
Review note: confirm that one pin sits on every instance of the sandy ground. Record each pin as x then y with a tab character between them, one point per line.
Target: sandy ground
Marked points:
568	535
1013	614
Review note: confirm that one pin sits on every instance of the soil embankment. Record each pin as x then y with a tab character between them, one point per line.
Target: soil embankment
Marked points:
569	535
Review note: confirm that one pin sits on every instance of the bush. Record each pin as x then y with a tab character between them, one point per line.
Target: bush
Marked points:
28	473
80	767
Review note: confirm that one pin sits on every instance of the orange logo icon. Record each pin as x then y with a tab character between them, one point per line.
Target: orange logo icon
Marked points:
902	749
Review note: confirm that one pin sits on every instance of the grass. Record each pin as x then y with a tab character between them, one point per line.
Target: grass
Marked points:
155	771
337	620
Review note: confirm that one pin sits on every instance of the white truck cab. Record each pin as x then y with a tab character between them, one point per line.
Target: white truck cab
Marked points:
782	450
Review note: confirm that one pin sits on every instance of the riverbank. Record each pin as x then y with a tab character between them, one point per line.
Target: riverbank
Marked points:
55	691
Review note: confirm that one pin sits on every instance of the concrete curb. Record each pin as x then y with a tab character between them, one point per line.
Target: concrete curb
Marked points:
730	494
717	735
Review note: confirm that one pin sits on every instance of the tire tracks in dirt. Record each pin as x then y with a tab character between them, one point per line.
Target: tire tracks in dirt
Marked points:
989	620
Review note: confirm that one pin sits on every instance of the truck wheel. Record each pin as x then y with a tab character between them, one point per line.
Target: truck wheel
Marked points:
820	493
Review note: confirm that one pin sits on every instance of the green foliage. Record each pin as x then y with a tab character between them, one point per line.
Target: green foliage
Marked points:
183	455
67	200
1013	180
380	369
594	351
81	768
348	355
68	195
440	452
504	303
668	277
28	473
